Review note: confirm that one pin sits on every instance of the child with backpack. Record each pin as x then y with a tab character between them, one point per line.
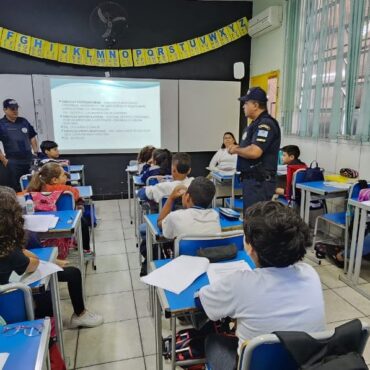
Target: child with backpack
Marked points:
52	178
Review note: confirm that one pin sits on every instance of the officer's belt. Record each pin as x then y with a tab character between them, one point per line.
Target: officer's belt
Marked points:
258	176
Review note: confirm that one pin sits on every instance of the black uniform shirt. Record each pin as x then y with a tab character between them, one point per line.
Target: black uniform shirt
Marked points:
15	261
264	132
16	137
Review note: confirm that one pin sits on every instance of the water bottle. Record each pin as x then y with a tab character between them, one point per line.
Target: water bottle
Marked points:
30	208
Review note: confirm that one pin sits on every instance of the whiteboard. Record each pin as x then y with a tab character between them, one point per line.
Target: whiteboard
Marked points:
206	110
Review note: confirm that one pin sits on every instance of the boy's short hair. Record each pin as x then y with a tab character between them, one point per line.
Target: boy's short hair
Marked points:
277	234
47	145
182	162
201	191
292	150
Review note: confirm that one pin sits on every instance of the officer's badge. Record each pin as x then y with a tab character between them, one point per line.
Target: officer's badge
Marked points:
24	130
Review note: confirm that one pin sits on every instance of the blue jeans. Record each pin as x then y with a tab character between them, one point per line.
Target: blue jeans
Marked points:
221	352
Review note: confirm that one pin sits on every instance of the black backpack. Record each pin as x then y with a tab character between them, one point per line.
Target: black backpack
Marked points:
339	352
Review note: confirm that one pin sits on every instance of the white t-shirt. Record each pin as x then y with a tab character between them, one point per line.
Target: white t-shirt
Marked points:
164	189
191	221
223	160
268	299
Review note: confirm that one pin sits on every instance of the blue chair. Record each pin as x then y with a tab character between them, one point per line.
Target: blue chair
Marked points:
340	219
266	352
235	203
66	202
16	303
24	181
189	244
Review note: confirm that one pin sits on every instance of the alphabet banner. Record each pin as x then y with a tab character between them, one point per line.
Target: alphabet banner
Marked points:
122	58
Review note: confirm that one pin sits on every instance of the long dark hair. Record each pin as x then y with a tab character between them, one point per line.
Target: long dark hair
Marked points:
163	159
232	135
12	234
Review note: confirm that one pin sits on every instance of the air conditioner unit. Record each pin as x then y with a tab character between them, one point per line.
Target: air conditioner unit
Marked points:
268	20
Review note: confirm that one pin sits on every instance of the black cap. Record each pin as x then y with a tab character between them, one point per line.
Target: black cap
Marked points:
254	93
10	103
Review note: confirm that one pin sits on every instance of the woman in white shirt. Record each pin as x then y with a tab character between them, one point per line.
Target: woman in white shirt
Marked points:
281	293
223	160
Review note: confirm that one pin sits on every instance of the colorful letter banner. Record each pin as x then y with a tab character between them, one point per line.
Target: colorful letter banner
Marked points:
122	58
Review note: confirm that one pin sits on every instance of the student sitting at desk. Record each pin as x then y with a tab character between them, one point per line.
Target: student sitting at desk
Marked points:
290	158
52	177
50	153
223	160
180	169
160	164
13	257
144	158
196	218
281	293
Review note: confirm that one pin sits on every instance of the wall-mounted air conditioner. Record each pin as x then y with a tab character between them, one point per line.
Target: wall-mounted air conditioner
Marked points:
266	21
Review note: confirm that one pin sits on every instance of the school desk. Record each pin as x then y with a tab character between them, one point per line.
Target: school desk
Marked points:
78	168
50	254
361	212
320	188
68	226
175	305
27	353
86	192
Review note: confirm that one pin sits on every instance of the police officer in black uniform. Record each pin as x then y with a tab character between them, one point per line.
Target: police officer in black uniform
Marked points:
19	139
258	150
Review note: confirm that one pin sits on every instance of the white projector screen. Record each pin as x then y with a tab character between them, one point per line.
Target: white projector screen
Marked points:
94	114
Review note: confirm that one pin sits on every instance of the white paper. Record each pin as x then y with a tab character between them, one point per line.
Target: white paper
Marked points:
178	274
340	185
3	357
40	223
217	271
44	269
366	202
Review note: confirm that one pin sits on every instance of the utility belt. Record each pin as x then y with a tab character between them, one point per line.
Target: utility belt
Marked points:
258	176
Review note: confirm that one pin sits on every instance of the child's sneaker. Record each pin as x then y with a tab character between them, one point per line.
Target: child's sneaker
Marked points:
88	320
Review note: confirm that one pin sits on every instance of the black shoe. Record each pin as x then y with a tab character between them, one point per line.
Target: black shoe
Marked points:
143	271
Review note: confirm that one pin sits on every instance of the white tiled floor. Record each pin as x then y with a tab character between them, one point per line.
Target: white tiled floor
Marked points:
126	340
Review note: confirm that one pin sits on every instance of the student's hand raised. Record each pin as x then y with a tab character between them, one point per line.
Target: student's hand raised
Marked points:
178	192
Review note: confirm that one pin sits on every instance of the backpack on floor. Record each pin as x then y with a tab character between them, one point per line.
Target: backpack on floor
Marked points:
340	352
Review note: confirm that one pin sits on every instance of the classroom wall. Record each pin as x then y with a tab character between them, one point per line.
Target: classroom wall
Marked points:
331	155
151	23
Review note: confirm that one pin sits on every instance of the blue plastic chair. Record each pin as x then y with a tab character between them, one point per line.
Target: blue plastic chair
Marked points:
16	303
266	352
235	203
189	244
24	181
66	202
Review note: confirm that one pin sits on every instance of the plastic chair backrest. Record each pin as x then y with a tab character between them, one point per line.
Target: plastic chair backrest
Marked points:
298	177
24	180
151	180
189	244
133	162
355	190
16	303
266	352
66	202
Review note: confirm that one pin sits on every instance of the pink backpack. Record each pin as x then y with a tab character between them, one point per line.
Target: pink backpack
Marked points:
364	195
45	201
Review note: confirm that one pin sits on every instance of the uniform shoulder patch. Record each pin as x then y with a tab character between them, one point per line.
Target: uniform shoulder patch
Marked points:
264	126
262	133
261	140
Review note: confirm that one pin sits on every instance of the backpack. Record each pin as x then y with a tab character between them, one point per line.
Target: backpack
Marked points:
45	201
339	352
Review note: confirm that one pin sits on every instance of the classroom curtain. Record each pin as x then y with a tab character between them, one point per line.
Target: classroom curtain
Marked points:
327	69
